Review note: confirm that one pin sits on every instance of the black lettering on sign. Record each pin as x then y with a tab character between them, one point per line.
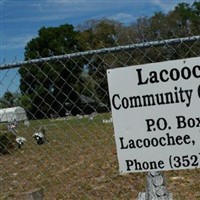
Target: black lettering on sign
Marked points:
182	122
138	165
163	76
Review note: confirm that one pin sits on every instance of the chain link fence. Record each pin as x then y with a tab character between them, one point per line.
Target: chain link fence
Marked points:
57	136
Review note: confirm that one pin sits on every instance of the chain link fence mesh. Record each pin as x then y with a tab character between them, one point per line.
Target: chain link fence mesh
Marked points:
69	149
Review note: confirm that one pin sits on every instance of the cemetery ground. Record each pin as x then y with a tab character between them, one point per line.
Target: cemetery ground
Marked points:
79	161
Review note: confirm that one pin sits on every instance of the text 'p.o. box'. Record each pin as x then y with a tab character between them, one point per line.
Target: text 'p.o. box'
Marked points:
156	115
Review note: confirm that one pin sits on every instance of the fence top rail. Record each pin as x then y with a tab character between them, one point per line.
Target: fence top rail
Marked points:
102	51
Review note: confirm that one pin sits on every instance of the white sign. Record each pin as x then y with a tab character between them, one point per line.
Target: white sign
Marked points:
156	115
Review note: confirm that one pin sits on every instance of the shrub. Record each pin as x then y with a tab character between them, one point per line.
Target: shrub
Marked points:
7	142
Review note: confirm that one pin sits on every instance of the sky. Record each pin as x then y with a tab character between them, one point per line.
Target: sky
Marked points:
20	20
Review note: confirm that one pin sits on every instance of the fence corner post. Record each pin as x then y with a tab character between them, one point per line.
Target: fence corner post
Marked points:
155	188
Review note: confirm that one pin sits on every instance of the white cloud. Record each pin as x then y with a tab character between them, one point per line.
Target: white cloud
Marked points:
22	14
42	11
42	18
124	18
16	42
2	2
54	10
166	6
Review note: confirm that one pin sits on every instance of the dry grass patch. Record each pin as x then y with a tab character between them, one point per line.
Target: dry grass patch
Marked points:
79	161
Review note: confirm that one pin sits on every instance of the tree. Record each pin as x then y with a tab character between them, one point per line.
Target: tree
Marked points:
183	21
48	86
99	34
9	99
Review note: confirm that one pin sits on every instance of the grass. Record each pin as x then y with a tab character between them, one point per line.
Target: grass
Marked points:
79	161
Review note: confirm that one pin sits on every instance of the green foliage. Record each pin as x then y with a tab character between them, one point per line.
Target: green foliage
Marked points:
96	34
9	99
52	41
47	87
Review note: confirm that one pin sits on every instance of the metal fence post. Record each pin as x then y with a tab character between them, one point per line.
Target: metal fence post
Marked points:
155	188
